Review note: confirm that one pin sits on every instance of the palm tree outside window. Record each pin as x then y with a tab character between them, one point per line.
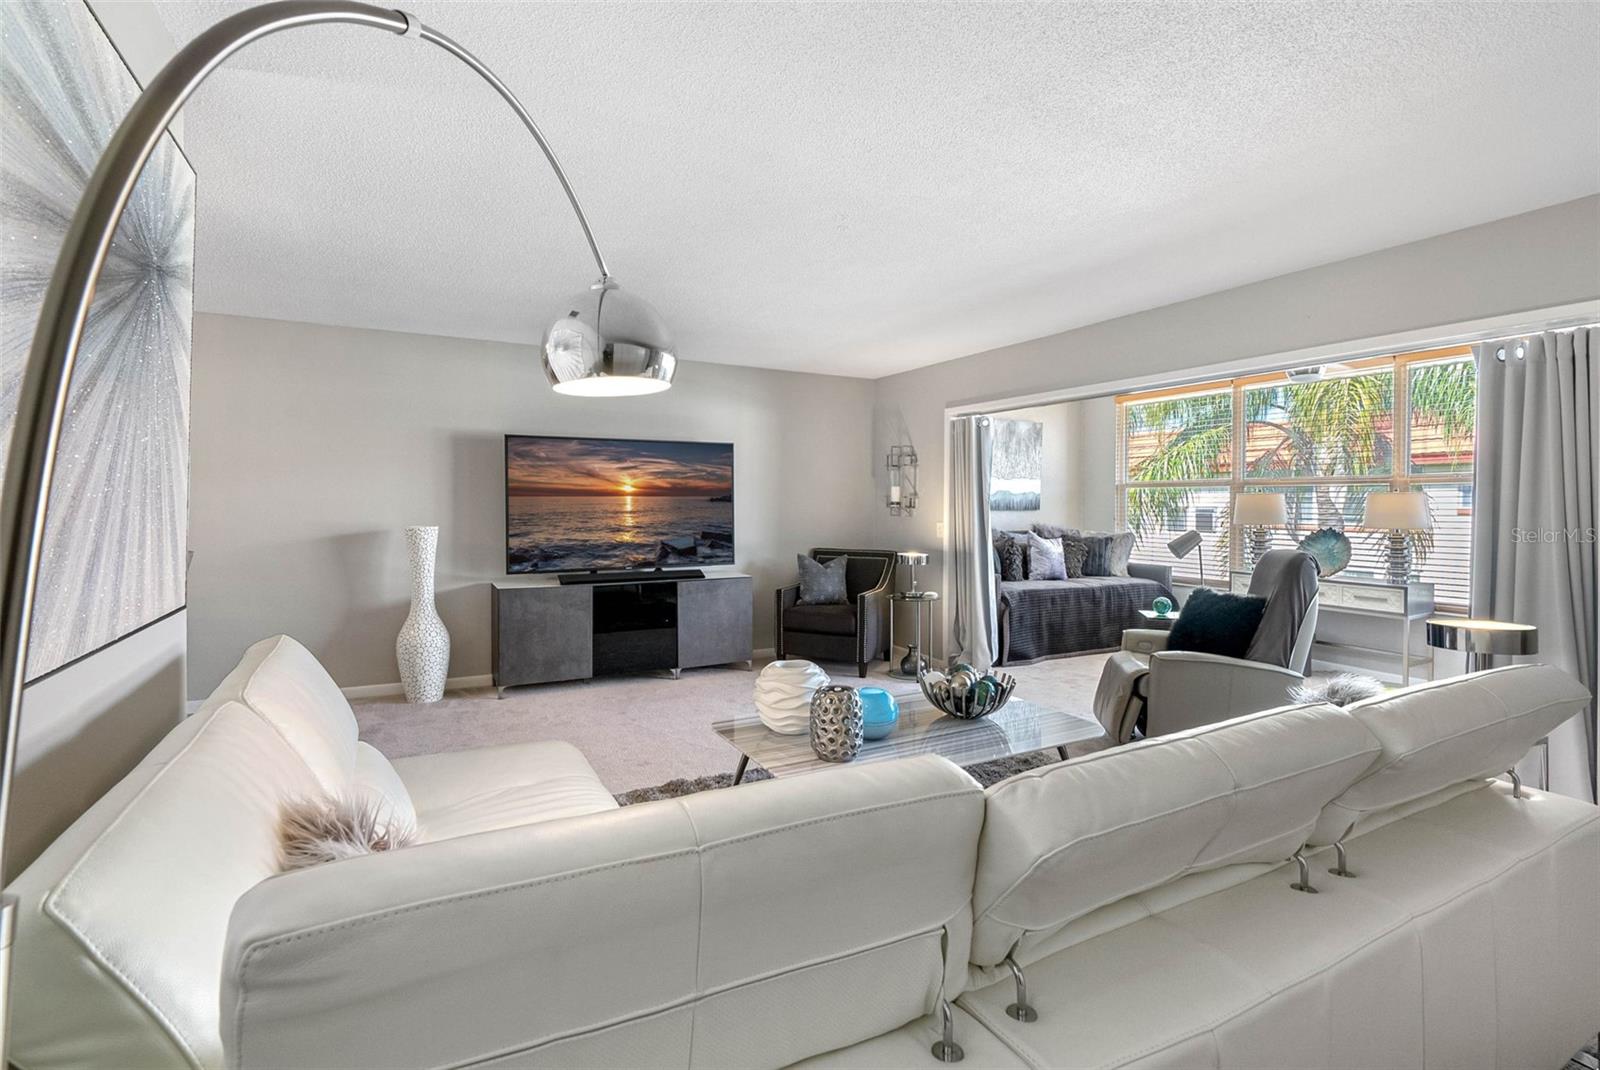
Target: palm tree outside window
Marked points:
1402	422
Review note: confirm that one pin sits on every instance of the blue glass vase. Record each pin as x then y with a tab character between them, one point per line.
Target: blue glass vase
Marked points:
879	712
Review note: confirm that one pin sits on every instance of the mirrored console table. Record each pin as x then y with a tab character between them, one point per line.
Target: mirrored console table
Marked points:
1390	607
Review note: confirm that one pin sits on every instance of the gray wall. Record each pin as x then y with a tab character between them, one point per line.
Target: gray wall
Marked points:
1536	260
1097	463
88	723
315	446
85	725
1059	498
1079	475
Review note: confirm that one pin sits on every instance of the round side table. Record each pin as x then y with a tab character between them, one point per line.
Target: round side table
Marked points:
1159	621
915	661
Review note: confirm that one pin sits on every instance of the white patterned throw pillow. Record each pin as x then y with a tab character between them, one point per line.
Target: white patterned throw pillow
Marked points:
1045	560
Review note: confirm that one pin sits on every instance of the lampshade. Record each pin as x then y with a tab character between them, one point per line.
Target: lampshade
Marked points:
1398	510
609	344
913	557
1260	510
1184	544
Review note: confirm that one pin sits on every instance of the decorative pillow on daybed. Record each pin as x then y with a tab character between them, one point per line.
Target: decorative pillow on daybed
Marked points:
1046	560
1011	551
1213	623
823	585
1074	554
1109	551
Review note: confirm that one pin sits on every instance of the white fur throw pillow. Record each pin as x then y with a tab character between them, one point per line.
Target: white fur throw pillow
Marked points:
1342	690
313	831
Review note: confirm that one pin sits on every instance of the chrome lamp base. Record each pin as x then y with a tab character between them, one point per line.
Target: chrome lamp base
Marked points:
1399	558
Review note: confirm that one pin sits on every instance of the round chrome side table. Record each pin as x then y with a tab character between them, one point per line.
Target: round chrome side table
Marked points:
1480	640
915	661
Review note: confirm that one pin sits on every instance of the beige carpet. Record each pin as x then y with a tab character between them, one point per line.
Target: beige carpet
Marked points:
640	731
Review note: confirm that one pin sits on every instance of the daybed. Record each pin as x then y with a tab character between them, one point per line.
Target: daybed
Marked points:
1045	618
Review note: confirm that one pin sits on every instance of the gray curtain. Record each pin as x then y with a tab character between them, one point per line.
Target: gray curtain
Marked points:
1533	519
975	617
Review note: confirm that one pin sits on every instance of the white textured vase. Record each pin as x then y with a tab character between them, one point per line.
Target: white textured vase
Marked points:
423	646
783	695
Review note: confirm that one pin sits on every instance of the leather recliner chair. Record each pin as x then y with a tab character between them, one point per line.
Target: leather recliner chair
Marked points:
1181	689
856	631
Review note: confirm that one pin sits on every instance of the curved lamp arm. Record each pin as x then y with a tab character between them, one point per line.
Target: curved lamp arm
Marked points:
42	399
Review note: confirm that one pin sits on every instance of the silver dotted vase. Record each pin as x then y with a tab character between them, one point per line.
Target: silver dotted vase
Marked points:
836	723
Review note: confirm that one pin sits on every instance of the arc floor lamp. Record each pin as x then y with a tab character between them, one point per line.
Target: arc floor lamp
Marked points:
608	343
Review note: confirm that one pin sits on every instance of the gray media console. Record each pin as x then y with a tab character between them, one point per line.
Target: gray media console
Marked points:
543	632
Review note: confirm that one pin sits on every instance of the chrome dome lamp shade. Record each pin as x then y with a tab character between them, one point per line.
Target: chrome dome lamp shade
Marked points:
609	344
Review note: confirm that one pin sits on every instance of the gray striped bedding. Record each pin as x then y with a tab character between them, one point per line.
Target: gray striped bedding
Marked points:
1039	618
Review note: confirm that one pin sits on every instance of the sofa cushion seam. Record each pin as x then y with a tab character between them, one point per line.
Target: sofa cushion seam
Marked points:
964	792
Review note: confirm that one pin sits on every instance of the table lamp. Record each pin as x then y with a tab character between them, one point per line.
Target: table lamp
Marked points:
1257	514
1400	513
911	559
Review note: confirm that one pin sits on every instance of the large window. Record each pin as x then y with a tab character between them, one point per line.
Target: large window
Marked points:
1325	442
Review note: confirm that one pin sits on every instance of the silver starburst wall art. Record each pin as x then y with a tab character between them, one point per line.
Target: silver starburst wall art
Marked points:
113	558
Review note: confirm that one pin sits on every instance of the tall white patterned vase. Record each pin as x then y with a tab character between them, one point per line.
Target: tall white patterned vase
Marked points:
423	646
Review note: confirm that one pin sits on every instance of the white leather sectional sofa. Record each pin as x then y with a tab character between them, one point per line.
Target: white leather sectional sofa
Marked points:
1142	893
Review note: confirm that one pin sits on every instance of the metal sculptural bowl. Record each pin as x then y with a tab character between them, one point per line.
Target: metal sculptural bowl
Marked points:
973	703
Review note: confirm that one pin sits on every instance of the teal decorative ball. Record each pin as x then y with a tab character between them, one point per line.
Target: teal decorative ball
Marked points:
1163	606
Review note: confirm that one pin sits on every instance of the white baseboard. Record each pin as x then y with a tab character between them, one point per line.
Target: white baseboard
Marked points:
764	652
389	690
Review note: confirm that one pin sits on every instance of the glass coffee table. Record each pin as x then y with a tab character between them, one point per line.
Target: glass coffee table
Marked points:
1018	727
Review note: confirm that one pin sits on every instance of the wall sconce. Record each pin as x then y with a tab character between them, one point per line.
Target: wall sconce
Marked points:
902	480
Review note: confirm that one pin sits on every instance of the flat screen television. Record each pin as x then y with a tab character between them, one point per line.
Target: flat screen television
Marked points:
582	504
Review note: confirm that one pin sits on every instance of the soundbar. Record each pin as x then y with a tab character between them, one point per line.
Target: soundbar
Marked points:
631	575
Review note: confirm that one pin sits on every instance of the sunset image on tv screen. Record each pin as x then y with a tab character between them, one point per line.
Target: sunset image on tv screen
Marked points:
574	504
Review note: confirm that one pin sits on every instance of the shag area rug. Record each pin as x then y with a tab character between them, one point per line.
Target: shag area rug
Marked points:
984	773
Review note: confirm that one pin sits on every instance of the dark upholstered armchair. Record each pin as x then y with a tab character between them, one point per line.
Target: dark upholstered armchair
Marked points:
857	631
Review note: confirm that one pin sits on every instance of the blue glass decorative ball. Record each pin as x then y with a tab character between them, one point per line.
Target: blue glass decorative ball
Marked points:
879	712
1162	606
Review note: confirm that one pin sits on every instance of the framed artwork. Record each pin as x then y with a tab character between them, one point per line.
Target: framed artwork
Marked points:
1016	465
113	558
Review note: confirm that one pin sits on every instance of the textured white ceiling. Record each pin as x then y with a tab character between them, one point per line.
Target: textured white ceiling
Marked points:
864	188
